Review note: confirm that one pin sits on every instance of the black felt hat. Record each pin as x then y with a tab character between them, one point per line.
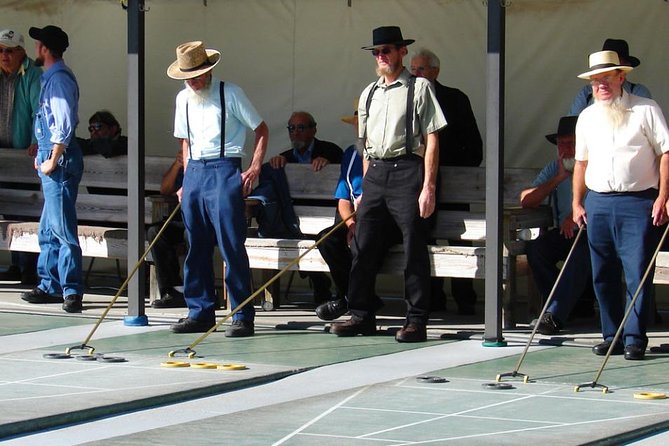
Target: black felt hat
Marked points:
388	35
620	46
566	126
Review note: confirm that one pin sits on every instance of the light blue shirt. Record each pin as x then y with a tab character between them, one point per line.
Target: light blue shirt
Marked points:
304	158
204	118
349	186
59	102
584	96
561	197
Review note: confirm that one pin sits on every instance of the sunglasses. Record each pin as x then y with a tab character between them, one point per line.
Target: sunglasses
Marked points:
95	127
300	128
385	50
7	50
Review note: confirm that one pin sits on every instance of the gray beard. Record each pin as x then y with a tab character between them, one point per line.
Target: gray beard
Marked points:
613	110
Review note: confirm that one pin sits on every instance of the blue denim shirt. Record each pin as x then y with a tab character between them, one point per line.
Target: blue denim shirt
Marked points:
59	105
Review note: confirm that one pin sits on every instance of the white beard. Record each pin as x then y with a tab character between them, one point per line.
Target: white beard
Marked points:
613	111
200	96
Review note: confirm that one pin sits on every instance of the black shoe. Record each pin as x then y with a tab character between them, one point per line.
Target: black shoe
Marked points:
170	299
548	325
73	303
412	332
634	352
331	310
355	326
240	329
12	274
187	325
37	296
603	348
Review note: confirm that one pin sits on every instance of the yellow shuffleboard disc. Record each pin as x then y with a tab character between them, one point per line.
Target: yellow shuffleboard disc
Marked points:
232	367
203	365
175	364
650	396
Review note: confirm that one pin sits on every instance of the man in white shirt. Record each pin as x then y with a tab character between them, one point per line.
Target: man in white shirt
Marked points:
622	142
210	122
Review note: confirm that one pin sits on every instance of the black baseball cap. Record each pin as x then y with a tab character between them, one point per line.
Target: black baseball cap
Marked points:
51	36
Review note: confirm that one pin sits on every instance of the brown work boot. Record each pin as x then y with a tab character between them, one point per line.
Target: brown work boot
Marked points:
355	326
412	332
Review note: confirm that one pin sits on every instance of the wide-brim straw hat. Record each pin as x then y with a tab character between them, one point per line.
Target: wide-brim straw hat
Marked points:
350	119
192	61
603	61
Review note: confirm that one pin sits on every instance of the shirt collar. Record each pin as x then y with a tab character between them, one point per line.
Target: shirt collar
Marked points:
402	79
306	156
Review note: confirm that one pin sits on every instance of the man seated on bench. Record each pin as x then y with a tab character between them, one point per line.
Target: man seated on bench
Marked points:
552	247
306	148
106	138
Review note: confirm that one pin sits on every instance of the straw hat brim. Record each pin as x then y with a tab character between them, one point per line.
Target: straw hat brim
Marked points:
213	56
588	74
348	119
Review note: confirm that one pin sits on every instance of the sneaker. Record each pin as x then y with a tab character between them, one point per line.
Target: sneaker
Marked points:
73	303
38	296
331	310
412	332
240	329
355	326
548	325
188	325
170	299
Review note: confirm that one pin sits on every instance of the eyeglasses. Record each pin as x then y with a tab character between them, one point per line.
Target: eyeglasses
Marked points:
95	127
298	128
384	50
7	50
603	80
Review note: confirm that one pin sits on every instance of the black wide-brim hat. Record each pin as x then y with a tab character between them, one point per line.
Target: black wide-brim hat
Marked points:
566	126
621	47
388	35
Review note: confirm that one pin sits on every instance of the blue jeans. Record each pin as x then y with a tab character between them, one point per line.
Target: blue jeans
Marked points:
59	262
622	239
213	209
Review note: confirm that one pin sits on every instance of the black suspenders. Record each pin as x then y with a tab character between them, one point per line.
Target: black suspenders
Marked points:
408	115
222	96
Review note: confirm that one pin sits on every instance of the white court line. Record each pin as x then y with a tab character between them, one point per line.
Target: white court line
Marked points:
528	429
322	415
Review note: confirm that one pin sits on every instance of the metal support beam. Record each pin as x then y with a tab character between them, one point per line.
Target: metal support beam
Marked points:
494	174
136	286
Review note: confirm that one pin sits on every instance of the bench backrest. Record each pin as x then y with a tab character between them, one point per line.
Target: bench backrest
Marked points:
19	201
459	185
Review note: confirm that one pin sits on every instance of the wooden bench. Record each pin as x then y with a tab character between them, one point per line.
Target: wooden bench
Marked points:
102	212
459	185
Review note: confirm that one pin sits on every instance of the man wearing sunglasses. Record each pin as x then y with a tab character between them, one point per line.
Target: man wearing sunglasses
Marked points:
106	138
277	210
399	117
306	148
19	100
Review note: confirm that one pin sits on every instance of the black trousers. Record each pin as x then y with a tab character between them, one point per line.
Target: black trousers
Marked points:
391	190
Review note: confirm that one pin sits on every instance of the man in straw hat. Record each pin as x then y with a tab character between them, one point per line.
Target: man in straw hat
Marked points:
59	164
622	145
210	121
552	247
399	120
584	96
